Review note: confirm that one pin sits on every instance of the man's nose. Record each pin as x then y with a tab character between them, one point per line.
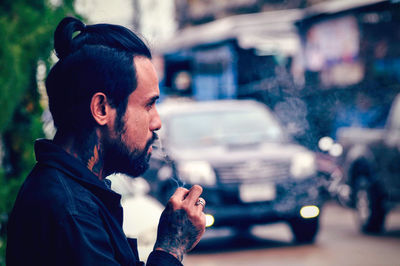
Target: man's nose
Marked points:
155	123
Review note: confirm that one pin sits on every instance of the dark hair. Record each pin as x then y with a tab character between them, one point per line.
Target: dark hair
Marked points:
98	59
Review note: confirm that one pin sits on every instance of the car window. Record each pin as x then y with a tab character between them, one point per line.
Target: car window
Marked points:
224	128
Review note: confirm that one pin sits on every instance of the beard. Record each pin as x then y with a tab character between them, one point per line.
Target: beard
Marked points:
119	159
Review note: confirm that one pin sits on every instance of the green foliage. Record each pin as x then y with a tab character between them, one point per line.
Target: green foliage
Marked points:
26	29
26	34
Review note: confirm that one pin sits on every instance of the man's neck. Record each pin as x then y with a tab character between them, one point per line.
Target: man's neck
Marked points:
87	151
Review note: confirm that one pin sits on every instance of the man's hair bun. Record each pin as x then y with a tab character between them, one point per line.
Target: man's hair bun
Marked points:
63	41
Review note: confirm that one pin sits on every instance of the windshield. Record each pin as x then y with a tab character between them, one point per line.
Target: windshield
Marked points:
228	127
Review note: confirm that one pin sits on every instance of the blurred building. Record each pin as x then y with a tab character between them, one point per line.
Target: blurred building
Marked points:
318	64
155	20
234	49
350	61
99	11
195	12
233	57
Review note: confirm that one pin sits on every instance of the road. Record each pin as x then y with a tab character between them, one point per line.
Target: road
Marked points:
338	243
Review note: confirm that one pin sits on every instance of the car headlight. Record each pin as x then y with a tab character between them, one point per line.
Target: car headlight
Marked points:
303	165
197	172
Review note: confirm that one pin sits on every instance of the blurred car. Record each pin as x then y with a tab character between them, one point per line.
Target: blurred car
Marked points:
250	170
371	170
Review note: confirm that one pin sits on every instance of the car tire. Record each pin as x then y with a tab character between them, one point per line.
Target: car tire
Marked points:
369	206
304	230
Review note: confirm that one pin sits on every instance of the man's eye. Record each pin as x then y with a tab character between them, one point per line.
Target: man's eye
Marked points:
150	105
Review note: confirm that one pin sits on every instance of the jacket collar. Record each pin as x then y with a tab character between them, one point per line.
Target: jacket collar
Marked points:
53	155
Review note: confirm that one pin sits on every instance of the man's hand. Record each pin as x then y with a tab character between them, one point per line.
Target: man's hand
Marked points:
182	223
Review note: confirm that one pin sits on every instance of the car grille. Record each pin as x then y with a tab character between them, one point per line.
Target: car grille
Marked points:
253	171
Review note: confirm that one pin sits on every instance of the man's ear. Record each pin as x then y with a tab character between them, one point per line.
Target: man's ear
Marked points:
100	108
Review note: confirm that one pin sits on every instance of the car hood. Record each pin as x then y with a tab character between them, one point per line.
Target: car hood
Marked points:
221	154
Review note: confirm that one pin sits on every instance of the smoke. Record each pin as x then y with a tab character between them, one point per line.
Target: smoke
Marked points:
170	164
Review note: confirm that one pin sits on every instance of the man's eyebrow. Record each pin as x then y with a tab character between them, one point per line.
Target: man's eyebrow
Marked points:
153	99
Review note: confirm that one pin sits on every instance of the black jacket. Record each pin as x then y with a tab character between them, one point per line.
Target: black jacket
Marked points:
65	215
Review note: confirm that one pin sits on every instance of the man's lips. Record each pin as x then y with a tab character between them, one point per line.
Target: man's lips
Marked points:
151	142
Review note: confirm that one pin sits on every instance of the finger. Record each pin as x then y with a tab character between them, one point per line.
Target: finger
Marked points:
193	194
180	193
177	198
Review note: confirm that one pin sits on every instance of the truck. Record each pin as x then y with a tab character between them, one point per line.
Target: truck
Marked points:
370	165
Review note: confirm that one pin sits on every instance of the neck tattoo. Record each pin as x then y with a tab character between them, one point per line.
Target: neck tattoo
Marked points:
94	159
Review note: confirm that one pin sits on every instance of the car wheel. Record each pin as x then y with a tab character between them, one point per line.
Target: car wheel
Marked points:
369	207
304	230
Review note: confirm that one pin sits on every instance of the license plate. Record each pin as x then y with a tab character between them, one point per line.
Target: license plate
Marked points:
257	192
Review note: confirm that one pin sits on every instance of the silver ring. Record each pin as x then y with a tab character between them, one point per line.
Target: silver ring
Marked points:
200	201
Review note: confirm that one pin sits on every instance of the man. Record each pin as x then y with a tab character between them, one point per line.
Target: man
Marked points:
102	95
